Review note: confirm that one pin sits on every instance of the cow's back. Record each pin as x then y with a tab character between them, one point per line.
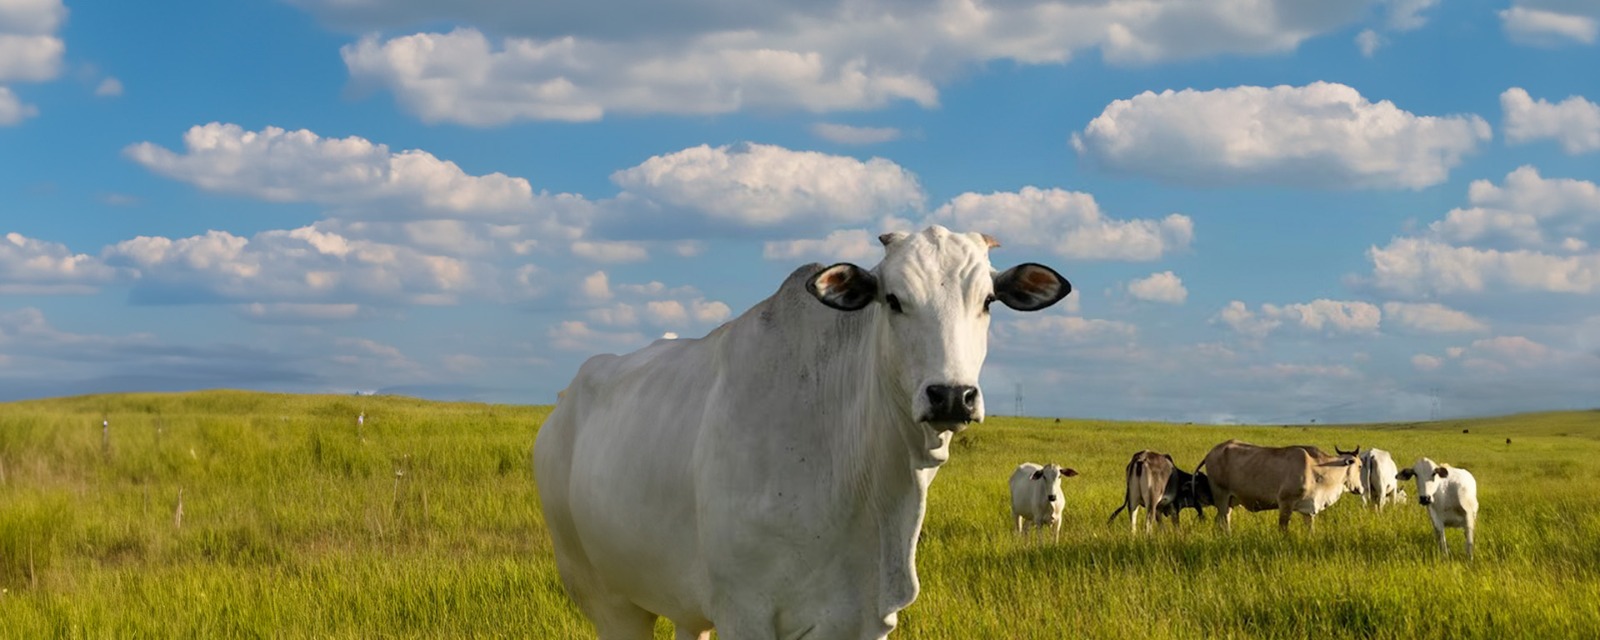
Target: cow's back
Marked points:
1023	493
1258	477
1378	474
1148	474
1460	492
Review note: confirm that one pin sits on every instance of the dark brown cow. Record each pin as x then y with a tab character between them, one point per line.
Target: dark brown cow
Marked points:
1289	479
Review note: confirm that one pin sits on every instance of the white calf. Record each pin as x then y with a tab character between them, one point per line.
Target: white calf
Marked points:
1451	496
1036	496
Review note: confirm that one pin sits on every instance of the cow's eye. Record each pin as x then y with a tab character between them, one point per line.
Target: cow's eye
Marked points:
986	302
894	303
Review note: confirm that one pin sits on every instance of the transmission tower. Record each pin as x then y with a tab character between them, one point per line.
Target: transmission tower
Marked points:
1019	400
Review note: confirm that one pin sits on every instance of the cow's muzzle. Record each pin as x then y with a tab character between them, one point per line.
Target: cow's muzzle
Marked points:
949	403
1425	501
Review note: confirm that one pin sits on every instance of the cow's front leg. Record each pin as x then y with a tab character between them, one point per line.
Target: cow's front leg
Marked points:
1285	512
1311	522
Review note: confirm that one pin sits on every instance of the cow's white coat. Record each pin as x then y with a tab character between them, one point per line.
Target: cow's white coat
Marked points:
1036	499
770	478
1451	496
1378	478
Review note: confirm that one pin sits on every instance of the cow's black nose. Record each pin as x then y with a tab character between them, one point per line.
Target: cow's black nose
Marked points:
952	403
1424	500
1050	498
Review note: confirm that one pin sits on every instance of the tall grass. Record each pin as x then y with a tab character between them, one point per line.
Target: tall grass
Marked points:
425	524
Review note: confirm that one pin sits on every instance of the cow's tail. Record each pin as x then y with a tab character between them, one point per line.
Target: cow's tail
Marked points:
1135	467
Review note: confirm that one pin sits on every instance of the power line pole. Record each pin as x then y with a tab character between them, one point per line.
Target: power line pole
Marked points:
1433	409
1019	400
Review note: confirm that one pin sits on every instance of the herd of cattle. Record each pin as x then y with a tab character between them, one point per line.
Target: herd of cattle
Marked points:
769	480
1297	479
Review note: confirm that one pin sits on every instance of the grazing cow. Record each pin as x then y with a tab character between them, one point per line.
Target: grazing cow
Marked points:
1378	483
1451	496
769	480
1290	479
1189	491
1036	498
1157	485
1146	474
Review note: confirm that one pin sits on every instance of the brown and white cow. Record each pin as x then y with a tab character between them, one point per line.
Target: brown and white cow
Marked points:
1290	479
1147	474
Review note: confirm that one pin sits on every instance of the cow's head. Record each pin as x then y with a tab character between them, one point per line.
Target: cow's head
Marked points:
933	292
1427	473
1350	466
1051	476
1196	491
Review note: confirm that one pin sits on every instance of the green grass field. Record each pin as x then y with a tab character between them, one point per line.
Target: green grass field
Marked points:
425	524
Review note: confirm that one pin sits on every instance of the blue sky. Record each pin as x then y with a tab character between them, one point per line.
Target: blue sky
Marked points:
1271	210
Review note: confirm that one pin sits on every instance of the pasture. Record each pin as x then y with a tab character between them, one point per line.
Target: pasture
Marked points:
425	524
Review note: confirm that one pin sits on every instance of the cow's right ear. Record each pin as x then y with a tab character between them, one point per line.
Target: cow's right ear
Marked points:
1038	475
1070	473
1405	475
1441	471
844	286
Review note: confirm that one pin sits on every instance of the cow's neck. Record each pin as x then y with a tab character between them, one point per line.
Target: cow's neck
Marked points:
894	459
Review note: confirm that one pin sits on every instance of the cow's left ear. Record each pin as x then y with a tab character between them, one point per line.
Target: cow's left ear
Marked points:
1405	475
1070	473
1441	471
1030	287
844	286
1038	475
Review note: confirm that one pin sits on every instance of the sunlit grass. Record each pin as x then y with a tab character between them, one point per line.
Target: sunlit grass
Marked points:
425	524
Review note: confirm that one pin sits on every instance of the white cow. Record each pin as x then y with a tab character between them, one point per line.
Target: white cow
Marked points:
769	479
1451	496
1378	482
1036	498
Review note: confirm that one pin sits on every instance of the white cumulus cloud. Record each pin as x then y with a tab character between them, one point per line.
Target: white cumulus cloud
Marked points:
1432	317
610	252
1159	287
1322	135
13	110
1068	223
1321	315
355	175
756	186
29	265
1549	23
844	245
1574	122
1525	234
304	265
583	62
1425	362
